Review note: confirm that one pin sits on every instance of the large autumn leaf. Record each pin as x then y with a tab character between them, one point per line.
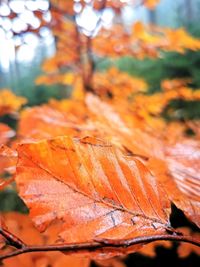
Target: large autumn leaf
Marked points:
93	189
181	159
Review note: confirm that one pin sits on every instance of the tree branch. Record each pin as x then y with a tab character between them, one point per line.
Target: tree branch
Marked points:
5	183
100	244
11	239
89	70
88	67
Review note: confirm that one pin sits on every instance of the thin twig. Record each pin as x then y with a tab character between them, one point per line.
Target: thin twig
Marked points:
5	183
144	239
11	239
101	244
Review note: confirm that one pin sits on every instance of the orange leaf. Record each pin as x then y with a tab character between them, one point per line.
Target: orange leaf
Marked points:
92	188
150	249
179	175
151	4
59	118
113	262
184	249
9	102
184	164
5	133
114	127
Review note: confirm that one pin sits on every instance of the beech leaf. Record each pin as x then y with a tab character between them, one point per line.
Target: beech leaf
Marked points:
92	188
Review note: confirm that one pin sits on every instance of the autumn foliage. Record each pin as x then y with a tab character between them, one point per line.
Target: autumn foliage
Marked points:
99	171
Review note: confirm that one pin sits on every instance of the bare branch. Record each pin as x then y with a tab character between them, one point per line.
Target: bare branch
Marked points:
5	183
12	240
102	243
88	71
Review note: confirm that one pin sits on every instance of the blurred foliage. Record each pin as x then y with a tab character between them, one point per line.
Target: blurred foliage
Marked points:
22	83
170	66
10	201
185	110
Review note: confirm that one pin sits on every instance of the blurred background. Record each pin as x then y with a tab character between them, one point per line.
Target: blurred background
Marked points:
22	50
